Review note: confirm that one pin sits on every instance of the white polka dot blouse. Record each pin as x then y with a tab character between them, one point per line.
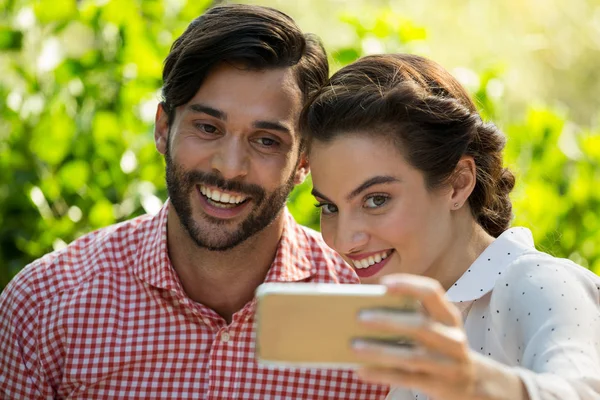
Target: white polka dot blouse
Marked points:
534	312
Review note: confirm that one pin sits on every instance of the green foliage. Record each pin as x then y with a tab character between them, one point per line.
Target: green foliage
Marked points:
77	99
78	95
558	168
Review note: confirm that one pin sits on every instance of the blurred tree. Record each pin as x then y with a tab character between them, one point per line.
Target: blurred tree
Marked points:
558	170
78	93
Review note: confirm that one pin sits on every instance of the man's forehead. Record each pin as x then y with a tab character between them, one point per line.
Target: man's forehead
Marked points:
285	75
267	94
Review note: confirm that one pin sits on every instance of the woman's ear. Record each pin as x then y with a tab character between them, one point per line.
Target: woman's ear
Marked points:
463	182
161	129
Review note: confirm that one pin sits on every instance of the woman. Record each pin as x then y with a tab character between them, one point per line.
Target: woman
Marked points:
411	187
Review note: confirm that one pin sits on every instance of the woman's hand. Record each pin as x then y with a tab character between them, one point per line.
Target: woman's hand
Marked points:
442	365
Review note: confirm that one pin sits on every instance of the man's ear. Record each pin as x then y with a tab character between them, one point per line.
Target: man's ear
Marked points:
463	182
302	169
161	129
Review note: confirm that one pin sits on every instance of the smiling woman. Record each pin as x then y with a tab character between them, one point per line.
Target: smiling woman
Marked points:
413	192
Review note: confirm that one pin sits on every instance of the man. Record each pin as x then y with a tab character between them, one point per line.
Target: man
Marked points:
162	306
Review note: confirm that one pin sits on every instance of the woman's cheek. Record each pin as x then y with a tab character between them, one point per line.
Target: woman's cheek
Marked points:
327	231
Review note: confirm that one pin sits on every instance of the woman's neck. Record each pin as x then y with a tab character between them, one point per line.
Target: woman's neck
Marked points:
467	244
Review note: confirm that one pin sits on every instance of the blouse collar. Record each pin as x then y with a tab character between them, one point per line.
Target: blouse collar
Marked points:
481	276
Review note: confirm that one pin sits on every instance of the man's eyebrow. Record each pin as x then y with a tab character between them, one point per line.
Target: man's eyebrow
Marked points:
213	112
376	180
272	125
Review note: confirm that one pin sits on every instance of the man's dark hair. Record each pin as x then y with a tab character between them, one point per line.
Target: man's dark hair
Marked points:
253	36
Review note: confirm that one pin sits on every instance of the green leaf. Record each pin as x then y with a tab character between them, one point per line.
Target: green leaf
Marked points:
101	214
346	55
10	39
105	127
74	175
55	10
51	138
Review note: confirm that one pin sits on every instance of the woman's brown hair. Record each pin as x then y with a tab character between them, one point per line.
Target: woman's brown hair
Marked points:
428	115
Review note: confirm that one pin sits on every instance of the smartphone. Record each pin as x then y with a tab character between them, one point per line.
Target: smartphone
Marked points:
313	325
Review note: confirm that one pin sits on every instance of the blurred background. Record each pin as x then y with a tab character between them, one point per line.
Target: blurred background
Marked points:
80	81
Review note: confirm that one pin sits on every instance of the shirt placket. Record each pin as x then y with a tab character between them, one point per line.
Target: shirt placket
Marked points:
225	356
222	368
210	321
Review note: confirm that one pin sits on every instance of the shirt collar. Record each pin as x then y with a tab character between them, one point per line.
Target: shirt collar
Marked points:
481	276
291	261
154	266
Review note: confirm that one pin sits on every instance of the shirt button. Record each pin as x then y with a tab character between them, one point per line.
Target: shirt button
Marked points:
225	337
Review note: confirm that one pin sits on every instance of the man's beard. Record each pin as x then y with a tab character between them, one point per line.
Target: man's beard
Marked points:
181	185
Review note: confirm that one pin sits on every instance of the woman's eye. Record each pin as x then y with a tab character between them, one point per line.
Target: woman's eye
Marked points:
327	208
376	201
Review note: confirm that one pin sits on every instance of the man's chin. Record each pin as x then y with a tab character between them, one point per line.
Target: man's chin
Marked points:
219	245
215	234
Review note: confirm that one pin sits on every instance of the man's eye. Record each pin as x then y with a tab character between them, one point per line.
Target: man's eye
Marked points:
376	201
207	128
267	142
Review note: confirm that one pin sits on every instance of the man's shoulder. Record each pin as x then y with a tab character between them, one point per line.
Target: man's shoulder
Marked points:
330	266
105	251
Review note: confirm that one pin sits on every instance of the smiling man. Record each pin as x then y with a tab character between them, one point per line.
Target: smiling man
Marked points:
162	307
233	156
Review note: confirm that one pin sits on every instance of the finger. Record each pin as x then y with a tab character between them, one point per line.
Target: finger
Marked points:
396	378
411	360
430	384
435	337
428	292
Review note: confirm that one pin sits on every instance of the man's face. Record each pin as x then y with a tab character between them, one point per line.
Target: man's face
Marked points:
232	154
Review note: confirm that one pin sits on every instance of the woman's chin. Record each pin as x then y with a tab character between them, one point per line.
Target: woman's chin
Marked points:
371	280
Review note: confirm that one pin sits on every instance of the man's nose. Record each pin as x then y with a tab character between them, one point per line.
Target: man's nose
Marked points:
231	160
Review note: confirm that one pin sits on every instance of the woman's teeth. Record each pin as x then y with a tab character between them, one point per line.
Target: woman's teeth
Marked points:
373	259
221	199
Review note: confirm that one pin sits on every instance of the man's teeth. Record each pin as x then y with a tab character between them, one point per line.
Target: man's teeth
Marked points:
221	197
368	261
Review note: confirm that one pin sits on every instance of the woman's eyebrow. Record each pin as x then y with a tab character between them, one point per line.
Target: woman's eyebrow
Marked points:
376	180
316	193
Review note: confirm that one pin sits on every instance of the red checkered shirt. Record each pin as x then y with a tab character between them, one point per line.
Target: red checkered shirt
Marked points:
107	318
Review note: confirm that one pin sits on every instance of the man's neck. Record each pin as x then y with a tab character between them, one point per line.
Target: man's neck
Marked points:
222	280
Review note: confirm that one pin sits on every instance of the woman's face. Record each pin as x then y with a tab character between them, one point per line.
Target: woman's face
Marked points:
376	210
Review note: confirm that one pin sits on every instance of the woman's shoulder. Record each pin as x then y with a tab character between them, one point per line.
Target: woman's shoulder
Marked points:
542	300
533	267
536	277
